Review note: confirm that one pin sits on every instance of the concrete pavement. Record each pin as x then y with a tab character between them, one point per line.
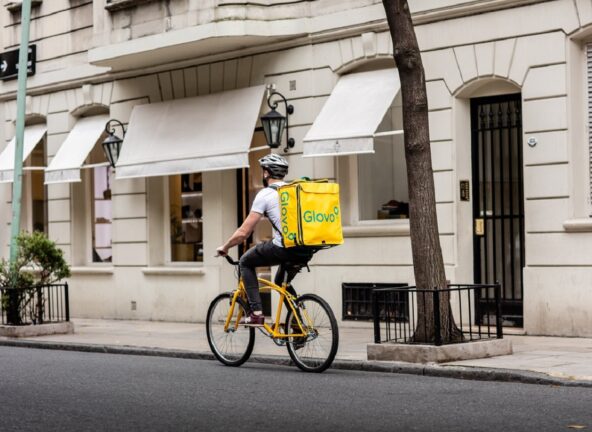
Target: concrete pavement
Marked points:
564	360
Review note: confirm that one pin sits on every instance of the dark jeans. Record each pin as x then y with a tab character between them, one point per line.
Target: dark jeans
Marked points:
268	254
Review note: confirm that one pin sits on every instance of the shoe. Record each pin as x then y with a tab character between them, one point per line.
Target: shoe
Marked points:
298	341
252	320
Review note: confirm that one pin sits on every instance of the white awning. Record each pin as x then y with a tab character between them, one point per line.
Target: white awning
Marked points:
349	119
33	134
65	166
206	133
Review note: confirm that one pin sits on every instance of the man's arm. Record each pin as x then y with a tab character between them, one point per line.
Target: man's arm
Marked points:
242	233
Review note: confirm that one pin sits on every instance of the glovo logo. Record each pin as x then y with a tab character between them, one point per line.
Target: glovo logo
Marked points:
284	201
311	216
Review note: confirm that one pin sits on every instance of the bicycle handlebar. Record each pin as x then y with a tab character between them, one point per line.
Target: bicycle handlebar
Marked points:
230	260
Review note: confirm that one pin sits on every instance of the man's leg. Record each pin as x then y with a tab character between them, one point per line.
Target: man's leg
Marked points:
295	258
259	256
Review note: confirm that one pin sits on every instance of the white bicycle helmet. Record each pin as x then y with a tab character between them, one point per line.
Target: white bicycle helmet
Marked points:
276	165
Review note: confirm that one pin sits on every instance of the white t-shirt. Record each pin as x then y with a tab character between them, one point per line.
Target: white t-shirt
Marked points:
267	203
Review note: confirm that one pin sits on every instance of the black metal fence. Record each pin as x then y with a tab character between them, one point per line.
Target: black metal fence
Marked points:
398	312
42	304
357	299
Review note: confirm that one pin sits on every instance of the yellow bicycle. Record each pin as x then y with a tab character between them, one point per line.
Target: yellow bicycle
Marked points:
309	331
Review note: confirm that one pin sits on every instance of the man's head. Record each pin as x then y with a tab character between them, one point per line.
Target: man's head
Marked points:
274	166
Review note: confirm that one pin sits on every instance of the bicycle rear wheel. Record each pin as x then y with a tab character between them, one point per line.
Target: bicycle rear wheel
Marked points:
316	351
233	346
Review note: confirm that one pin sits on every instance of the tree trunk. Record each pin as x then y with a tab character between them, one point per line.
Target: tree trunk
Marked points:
428	264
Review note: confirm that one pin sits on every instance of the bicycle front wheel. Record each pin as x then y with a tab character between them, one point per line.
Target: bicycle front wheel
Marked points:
316	351
232	346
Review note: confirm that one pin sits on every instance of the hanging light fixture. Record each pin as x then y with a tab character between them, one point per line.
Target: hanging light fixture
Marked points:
112	144
274	123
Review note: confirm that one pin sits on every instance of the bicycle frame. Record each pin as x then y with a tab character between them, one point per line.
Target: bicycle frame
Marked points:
274	330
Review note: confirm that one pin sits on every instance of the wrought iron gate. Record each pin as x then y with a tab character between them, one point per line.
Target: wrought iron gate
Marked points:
498	203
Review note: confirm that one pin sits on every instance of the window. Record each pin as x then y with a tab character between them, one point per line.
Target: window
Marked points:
185	212
98	178
101	209
38	191
382	176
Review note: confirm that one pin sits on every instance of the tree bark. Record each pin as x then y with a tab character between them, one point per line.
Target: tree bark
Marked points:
428	264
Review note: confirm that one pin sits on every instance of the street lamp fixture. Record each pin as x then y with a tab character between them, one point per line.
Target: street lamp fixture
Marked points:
112	144
274	123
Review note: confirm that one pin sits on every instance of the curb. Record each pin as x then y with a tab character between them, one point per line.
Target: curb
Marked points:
432	370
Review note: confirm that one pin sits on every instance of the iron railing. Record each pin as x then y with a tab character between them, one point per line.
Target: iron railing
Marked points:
43	304
398	312
357	299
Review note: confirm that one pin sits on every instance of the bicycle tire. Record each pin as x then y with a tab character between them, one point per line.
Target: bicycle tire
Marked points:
247	333
298	353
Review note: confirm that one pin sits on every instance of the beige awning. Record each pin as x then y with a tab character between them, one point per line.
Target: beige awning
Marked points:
206	133
33	135
66	164
348	121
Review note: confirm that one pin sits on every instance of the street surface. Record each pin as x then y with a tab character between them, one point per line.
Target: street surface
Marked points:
43	390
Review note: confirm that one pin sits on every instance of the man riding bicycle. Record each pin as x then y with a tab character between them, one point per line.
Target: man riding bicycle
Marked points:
270	253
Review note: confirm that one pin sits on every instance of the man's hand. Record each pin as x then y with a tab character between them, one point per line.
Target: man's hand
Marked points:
221	251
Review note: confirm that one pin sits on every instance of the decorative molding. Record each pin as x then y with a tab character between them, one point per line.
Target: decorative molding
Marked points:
469	8
173	271
400	229
115	5
92	270
16	5
578	225
369	43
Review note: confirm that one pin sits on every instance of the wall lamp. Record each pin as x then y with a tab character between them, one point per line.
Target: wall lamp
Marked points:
112	144
274	123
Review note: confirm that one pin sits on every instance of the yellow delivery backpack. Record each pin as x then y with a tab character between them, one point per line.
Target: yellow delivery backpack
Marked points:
310	214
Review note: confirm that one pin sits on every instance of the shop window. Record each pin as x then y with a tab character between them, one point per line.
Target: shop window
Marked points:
38	196
185	212
382	176
101	208
98	215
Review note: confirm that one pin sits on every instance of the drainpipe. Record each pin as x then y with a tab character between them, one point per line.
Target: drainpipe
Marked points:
17	184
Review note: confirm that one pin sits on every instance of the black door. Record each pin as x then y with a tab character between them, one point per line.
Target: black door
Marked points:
498	204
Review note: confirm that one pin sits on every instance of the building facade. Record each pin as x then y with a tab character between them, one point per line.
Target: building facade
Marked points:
507	85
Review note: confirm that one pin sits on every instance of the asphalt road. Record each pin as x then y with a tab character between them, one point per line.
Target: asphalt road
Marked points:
42	390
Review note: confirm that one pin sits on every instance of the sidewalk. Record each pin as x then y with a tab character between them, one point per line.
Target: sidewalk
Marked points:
564	360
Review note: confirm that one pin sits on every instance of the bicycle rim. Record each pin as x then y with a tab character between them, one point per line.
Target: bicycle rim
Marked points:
234	346
317	352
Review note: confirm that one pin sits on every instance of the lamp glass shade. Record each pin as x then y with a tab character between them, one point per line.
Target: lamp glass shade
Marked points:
111	148
273	127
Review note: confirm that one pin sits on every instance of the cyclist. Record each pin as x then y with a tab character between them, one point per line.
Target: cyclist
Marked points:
270	253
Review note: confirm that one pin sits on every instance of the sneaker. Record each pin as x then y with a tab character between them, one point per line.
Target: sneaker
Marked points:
298	341
252	320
